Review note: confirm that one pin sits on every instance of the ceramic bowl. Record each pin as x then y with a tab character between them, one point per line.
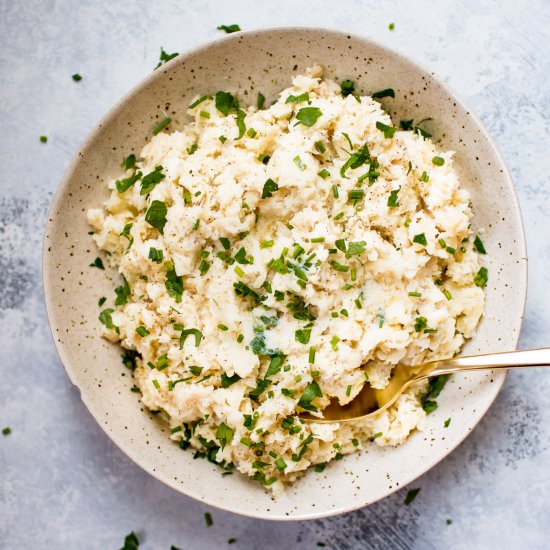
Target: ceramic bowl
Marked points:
248	63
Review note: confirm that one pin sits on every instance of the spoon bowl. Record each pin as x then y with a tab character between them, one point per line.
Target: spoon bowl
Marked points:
369	401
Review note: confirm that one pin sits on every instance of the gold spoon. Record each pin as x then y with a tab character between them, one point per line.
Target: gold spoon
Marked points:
369	401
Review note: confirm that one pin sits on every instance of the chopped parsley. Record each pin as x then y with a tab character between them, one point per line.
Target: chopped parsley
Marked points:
303	335
392	199
420	239
156	215
149	182
447	423
324	173
226	103
224	434
43	139
6	431
98	262
308	116
101	301
388	92
229	28
391	26
131	542
478	243
388	131
260	102
173	282
347	87
436	385
165	57
356	160
320	146
125	184
76	77
310	393
161	125
229	380
122	293
299	163
269	188
298	98
482	277
411	495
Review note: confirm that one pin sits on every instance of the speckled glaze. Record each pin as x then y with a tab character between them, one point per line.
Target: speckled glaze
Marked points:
245	64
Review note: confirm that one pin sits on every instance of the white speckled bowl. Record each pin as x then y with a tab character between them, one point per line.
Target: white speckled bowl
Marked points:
248	63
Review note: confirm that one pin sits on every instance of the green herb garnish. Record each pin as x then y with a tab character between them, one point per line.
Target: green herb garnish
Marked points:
411	495
149	182
482	277
388	131
347	87
297	98
165	57
156	215
122	293
438	161
392	199
388	92
308	116
161	125
420	239
229	28
478	243
269	188
98	262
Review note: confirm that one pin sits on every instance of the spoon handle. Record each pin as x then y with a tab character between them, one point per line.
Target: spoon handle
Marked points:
504	360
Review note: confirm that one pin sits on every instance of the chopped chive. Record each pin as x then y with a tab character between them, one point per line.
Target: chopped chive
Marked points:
442	243
260	101
43	139
199	101
320	146
358	303
267	244
280	464
204	114
223	139
451	250
251	133
335	193
407	222
239	271
348	390
142	331
411	495
353	274
312	355
424	177
447	423
438	161
478	243
161	125
317	240
324	173
240	338
223	327
156	384
356	194
415	294
447	294
299	163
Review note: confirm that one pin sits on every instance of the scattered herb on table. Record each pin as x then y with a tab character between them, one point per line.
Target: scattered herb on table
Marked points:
165	57
411	495
229	28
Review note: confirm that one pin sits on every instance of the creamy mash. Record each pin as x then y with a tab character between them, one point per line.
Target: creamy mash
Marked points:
275	259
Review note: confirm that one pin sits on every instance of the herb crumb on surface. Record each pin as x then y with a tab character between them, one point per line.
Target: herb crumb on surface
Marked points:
131	542
411	495
6	431
76	77
229	28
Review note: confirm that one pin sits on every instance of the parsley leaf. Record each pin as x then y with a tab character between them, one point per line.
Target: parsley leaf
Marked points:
125	184
420	239
269	188
229	28
387	130
165	57
131	542
303	335
149	182
98	262
174	283
356	160
310	393
308	115
156	215
388	92
240	123
297	98
129	162
229	380
224	433
392	199
122	293
226	103
347	87
107	320
411	495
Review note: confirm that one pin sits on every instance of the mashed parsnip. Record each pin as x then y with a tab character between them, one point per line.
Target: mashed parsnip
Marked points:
276	259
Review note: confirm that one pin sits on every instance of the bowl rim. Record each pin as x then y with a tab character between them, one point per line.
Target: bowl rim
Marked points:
137	89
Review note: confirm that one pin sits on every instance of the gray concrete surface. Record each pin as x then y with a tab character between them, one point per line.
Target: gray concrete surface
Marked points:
63	484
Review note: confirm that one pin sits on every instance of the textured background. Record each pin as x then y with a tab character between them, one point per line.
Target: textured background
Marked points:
63	484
